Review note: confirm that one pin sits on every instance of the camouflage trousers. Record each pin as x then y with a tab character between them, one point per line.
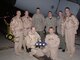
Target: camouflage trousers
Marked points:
62	42
42	35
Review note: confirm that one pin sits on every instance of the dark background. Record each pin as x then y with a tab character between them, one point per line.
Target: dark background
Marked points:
8	9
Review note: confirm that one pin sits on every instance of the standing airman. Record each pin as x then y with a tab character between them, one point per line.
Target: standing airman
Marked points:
16	27
27	24
50	21
71	26
60	30
38	22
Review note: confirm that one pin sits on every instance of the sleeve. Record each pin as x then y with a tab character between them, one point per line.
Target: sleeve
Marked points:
76	22
30	19
55	22
46	21
12	25
47	38
57	41
38	36
63	28
33	20
43	20
12	28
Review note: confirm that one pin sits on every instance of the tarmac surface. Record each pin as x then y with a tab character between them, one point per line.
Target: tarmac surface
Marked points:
7	51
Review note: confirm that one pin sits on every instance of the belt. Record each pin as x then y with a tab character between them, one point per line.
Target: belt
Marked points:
16	41
19	29
27	28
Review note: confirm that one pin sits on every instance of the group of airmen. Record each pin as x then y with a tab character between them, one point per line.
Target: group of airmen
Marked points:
58	32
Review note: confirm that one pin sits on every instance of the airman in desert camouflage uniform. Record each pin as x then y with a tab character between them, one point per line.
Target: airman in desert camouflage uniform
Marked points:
71	26
16	27
52	40
34	37
60	30
39	23
27	24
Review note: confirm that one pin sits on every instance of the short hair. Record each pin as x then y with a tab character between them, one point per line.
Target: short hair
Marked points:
49	11
32	27
67	8
61	11
51	28
18	11
37	8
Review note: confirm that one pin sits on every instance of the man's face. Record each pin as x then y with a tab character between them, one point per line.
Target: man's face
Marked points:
60	14
51	31
33	29
26	13
38	11
18	13
49	14
67	11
